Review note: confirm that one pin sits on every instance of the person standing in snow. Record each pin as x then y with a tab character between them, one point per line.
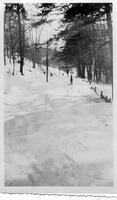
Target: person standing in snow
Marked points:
71	79
67	72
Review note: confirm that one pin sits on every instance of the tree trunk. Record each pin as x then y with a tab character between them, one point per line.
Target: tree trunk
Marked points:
95	52
100	71
59	68
78	68
10	47
77	71
107	76
13	65
34	56
23	44
89	73
40	54
20	41
47	63
83	69
109	24
4	57
95	70
4	39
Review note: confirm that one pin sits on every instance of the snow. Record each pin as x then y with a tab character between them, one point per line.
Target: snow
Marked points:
106	88
56	134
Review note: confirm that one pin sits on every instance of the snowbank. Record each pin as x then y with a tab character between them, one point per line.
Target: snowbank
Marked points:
106	88
56	134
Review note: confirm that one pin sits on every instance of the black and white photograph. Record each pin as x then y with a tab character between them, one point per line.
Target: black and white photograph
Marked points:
58	94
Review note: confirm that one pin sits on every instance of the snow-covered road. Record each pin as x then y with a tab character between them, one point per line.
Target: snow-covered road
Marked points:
56	134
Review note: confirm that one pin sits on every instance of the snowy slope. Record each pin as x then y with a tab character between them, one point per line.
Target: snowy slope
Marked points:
56	134
106	88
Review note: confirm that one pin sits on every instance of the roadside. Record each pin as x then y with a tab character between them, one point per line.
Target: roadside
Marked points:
57	134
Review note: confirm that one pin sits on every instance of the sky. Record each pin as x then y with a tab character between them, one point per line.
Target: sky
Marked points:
48	30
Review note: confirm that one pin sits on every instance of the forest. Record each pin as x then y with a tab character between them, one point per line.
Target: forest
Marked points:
85	31
58	95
